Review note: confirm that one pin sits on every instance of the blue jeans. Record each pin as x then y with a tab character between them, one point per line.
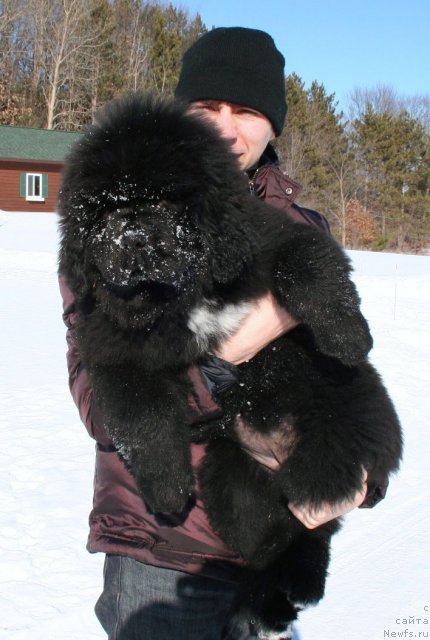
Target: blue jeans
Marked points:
141	602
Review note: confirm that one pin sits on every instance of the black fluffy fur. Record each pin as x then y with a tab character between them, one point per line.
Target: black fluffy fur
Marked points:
156	221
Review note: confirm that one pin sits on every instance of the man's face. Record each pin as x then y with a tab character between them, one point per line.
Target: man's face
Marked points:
247	131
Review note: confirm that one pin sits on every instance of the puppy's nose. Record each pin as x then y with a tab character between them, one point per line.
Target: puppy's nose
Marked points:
135	239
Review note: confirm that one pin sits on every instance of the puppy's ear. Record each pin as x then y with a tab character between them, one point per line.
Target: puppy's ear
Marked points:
232	245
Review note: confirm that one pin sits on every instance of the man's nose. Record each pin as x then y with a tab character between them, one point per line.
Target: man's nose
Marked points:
226	123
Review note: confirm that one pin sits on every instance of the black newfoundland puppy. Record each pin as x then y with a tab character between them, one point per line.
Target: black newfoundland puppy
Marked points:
164	248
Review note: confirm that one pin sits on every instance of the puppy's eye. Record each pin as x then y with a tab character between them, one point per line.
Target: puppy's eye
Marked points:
123	213
160	206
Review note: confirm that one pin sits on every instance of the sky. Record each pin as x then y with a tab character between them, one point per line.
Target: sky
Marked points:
343	45
379	582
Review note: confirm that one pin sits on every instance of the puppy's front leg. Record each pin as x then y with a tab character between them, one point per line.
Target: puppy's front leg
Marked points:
311	277
145	416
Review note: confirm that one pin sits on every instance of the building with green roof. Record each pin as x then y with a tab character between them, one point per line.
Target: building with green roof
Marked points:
31	161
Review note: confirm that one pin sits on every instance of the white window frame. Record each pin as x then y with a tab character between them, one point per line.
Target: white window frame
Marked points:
30	185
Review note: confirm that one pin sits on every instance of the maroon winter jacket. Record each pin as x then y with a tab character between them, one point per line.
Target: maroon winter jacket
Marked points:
119	520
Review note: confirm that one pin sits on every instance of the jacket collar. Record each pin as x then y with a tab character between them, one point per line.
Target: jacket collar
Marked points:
268	158
266	179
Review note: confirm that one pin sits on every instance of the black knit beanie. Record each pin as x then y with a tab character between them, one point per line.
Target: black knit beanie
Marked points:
237	65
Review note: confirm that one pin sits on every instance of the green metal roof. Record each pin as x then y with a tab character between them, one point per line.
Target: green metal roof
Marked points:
35	144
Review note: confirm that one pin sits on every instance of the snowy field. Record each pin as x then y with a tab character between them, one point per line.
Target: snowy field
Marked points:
379	585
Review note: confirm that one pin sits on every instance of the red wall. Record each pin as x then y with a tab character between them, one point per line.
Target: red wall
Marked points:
10	171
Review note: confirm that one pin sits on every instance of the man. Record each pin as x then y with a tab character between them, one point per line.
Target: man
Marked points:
172	578
234	77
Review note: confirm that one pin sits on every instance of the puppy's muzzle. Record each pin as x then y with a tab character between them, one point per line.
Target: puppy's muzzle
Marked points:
135	240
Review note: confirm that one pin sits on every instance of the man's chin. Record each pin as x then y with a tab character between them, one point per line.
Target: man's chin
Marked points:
241	158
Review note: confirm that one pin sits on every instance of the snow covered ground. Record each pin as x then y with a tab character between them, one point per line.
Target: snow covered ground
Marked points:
379	585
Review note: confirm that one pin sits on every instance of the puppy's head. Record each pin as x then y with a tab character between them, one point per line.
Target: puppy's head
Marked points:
149	259
152	211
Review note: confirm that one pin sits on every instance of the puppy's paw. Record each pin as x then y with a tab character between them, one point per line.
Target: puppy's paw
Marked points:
286	633
267	625
314	477
171	497
276	618
167	494
346	338
306	592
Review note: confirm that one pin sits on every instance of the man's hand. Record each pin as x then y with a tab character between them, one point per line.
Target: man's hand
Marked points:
265	322
313	518
271	451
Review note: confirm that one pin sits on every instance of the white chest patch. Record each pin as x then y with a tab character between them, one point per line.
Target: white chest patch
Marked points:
210	320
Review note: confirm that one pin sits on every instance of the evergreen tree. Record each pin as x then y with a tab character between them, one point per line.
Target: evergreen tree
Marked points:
314	147
105	77
166	50
172	33
394	167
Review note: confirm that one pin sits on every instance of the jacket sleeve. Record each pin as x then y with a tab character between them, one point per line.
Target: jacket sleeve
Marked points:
314	218
79	380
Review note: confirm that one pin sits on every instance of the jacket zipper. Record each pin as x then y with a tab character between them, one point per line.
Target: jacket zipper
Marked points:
252	181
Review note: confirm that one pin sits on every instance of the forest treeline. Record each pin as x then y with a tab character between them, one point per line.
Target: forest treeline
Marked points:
368	169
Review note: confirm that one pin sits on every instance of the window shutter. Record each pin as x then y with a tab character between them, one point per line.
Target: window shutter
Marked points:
22	185
45	185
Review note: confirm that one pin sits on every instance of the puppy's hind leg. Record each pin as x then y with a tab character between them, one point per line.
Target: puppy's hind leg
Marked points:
272	599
